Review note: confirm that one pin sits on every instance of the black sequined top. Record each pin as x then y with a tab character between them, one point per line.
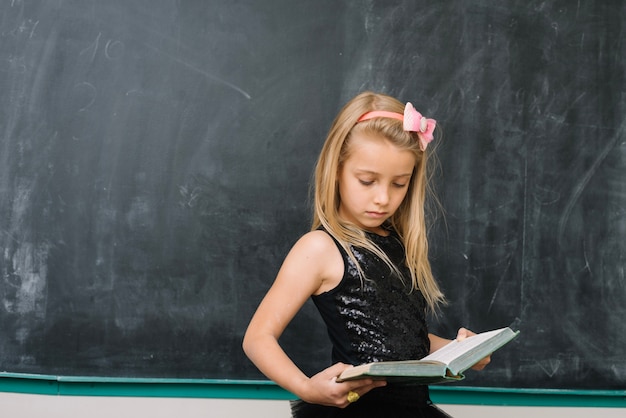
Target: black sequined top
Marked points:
378	318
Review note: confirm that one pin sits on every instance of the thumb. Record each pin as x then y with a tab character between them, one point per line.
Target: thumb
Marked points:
336	369
462	334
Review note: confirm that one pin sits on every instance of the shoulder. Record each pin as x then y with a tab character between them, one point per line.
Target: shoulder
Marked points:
316	254
316	242
314	249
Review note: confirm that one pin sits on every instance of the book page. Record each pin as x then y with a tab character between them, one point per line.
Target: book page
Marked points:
457	348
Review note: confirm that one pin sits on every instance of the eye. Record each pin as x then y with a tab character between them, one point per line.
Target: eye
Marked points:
366	182
399	185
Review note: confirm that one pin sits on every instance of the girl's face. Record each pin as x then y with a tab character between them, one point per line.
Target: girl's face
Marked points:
373	181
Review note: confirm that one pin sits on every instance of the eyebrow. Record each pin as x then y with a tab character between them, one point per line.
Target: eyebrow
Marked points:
360	171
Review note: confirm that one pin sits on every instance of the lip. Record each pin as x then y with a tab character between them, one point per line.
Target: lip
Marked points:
376	215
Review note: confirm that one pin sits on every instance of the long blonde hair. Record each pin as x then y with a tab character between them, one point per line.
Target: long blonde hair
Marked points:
408	221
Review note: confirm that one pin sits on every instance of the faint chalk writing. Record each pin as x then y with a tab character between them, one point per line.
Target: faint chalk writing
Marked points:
91	91
113	49
93	47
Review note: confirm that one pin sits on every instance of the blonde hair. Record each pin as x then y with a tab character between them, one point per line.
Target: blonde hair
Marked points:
408	221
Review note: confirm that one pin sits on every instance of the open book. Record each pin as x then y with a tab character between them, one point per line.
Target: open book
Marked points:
444	365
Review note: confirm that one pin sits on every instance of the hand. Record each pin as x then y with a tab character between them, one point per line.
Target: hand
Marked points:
323	388
463	334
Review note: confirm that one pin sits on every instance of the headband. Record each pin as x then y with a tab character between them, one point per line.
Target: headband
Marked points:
413	121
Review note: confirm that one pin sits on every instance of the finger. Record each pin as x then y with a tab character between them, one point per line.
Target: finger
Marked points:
482	364
461	334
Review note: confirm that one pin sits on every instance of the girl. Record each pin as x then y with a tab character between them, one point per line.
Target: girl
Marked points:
365	265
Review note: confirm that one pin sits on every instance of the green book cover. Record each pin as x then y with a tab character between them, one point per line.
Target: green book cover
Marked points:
444	365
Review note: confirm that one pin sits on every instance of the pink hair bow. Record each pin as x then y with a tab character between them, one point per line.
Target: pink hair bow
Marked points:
415	122
412	120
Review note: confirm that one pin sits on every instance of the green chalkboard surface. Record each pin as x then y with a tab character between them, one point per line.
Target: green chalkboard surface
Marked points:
155	161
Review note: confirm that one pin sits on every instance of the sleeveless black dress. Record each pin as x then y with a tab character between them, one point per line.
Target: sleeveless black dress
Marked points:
378	318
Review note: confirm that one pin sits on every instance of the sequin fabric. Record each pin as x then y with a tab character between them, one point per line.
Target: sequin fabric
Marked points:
378	318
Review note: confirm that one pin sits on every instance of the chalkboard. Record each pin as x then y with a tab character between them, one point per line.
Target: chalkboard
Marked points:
156	156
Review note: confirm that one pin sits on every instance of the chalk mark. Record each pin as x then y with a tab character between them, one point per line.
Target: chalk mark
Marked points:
95	45
201	71
11	236
92	89
500	282
582	184
110	47
522	287
550	367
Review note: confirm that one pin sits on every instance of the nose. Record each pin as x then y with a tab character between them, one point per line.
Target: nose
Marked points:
382	195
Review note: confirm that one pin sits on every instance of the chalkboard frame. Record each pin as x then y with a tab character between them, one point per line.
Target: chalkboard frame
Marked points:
266	390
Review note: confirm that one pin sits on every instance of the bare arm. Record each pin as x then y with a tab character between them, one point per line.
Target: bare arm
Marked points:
307	269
